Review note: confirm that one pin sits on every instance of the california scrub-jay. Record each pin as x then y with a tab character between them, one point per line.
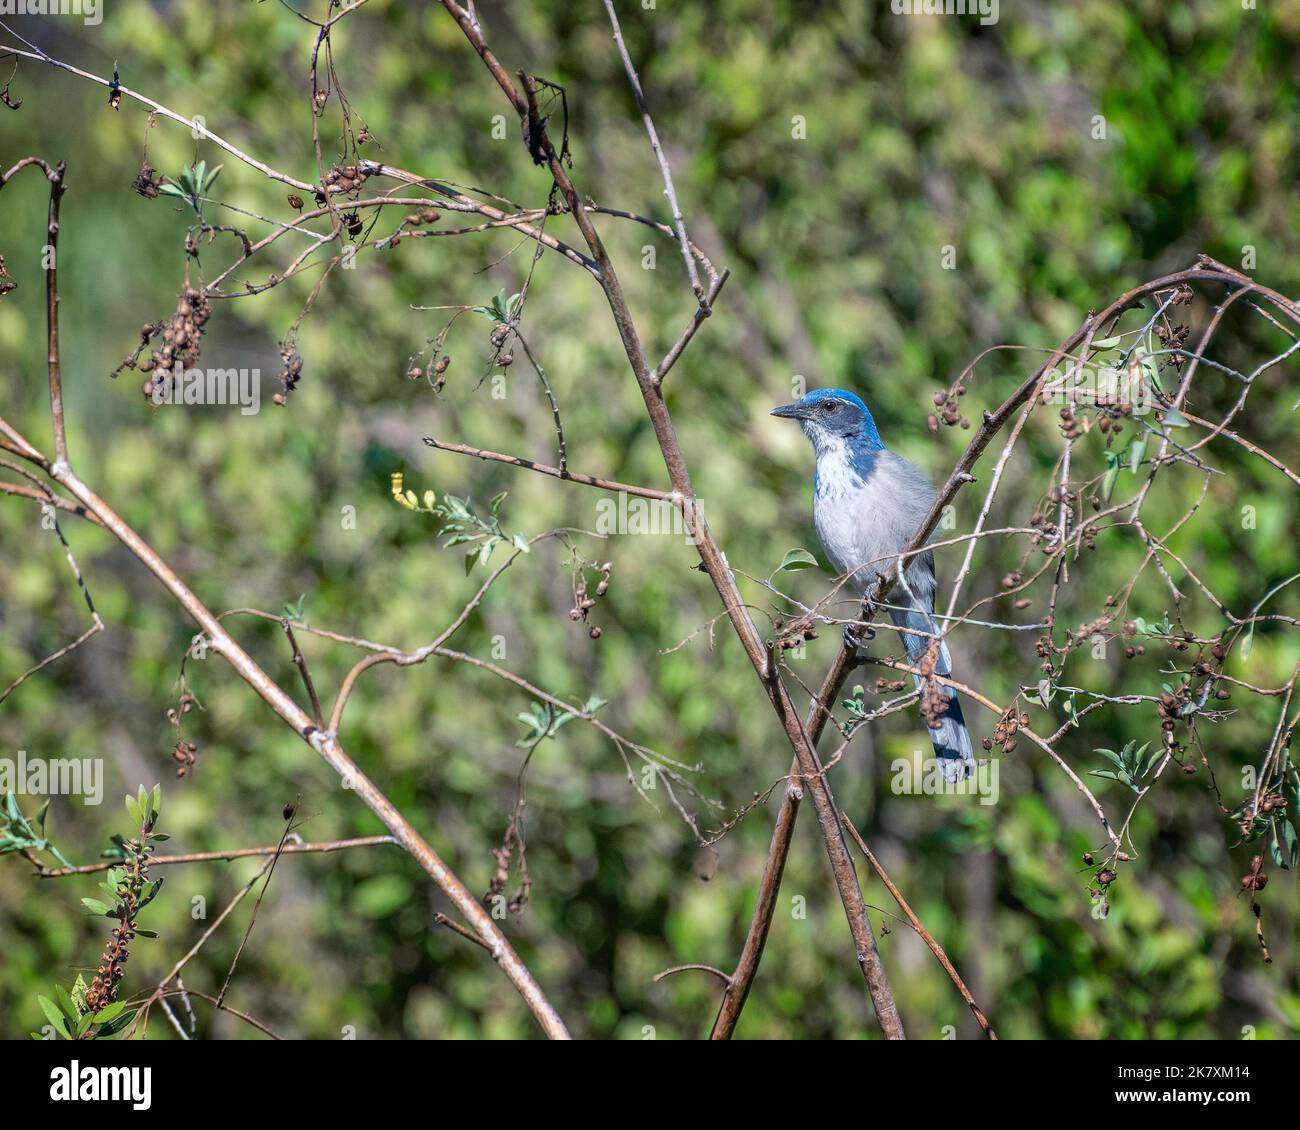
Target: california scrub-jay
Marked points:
867	505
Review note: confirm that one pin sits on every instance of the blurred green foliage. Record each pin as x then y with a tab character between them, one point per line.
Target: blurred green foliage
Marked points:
918	133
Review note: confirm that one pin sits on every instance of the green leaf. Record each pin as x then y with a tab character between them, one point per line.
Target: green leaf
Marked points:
1175	419
1112	474
79	993
97	907
55	1016
108	1012
1107	343
1275	850
41	814
1247	642
1133	757
150	894
1137	452
116	1025
797	559
1111	756
70	1010
1151	370
1156	754
1072	711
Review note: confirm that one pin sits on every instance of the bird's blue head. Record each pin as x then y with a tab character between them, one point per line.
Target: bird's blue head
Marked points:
834	419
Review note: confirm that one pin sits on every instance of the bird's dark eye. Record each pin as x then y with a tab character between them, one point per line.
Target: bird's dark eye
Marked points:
830	405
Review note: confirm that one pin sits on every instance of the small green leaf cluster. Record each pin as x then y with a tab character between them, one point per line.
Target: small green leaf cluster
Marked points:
192	185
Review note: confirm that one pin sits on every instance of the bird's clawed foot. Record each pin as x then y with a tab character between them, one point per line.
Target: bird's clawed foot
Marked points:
855	635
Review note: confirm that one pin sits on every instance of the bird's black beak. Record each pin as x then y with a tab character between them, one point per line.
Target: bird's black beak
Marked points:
791	411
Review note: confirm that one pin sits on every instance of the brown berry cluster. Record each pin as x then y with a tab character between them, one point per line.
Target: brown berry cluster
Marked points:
793	633
945	400
1255	879
1047	532
1167	710
290	373
147	182
1043	648
1173	339
1004	733
437	371
345	178
182	335
934	703
1071	428
892	686
185	753
1248	819
503	357
504	855
1129	630
934	696
582	602
6	284
440	372
1110	427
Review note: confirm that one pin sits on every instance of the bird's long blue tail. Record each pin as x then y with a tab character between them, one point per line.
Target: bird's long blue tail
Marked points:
950	737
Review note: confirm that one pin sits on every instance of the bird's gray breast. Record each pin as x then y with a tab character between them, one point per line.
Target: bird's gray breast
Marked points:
863	521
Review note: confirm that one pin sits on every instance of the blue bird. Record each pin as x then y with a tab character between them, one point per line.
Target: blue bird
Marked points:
867	505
